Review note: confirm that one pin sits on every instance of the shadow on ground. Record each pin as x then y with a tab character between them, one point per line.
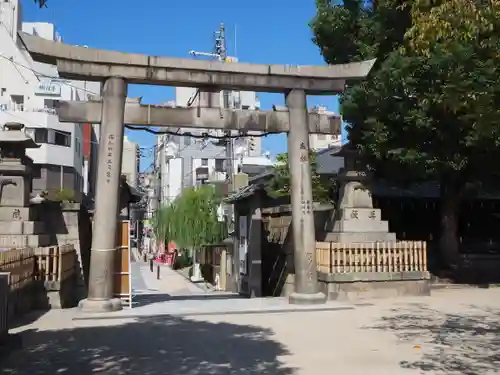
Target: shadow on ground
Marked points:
462	343
149	346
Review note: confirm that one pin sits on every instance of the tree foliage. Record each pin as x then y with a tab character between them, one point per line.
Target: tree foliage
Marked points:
191	220
429	110
280	184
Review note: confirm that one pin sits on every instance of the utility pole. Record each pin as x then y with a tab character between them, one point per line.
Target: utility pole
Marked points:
221	51
220	54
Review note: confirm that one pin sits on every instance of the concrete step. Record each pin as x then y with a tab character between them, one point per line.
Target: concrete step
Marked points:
24	240
22	227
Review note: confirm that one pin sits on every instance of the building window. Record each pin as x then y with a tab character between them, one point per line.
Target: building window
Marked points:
187	140
204	162
321	137
50	103
219	165
41	135
62	138
17	102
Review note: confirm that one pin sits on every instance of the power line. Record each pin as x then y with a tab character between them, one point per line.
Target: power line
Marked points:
59	79
198	136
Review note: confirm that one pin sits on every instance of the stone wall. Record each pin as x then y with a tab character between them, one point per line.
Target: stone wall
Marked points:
70	223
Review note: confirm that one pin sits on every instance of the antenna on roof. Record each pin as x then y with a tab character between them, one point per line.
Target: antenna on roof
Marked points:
41	3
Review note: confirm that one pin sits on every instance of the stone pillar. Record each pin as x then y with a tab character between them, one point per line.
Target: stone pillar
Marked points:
101	278
306	279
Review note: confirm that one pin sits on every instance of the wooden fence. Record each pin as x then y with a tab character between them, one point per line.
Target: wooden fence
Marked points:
55	263
20	263
404	256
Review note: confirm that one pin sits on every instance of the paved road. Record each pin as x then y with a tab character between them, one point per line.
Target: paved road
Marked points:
145	282
452	332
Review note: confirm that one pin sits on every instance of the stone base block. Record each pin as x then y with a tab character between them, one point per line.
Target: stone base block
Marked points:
24	240
307	299
100	305
361	226
9	213
357	214
372	285
22	227
360	237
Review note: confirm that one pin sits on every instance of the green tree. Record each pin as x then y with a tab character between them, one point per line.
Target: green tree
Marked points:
429	111
279	185
191	220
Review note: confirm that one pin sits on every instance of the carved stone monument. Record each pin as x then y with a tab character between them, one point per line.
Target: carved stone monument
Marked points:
18	224
356	221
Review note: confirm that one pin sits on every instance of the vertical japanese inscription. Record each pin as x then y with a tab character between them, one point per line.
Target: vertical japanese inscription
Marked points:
305	204
16	214
310	265
109	156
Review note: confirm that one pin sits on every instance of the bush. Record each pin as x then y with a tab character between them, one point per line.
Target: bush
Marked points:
65	195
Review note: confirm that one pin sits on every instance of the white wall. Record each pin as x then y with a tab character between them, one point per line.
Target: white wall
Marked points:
323	141
130	164
19	78
171	180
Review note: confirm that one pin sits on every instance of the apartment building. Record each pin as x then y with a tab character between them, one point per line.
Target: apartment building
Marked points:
29	93
185	161
323	141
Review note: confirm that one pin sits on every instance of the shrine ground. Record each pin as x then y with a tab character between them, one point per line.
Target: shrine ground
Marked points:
452	332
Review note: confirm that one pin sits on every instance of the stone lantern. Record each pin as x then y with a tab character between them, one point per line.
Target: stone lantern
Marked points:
355	219
15	165
354	179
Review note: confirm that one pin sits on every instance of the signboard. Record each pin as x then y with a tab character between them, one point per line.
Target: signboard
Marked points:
202	173
122	284
48	88
243	244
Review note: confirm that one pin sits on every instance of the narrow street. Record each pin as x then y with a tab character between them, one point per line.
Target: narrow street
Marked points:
171	282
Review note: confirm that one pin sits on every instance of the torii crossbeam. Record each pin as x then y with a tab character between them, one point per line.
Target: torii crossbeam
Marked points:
198	117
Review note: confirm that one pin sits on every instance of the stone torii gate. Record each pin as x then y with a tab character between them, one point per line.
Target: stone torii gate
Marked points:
117	69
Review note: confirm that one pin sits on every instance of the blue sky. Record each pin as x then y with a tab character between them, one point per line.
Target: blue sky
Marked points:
267	31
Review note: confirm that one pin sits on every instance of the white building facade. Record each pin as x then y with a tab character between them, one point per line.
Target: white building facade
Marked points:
29	94
185	161
131	161
323	141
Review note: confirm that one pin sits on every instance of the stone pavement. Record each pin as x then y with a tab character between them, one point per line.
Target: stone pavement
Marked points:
171	282
451	332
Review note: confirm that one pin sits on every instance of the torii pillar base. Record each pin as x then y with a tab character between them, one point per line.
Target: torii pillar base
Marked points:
100	305
307	299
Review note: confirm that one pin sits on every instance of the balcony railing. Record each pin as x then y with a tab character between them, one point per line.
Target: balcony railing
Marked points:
13	107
